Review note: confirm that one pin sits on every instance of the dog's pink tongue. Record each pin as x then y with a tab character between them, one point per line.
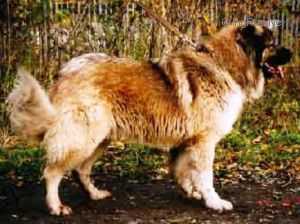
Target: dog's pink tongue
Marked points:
280	71
276	70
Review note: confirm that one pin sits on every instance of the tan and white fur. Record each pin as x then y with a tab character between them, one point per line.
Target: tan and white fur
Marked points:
190	101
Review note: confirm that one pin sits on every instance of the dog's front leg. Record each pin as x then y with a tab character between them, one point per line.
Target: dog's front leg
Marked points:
194	173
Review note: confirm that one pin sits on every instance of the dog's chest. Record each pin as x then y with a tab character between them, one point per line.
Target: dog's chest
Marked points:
229	112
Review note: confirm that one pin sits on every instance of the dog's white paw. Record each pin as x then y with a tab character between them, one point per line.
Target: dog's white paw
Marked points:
60	210
197	195
219	204
99	194
190	190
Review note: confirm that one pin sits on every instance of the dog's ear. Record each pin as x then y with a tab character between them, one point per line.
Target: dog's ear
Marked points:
254	36
245	34
247	31
252	41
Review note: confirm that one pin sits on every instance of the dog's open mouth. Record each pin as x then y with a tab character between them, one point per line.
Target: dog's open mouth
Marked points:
273	69
272	65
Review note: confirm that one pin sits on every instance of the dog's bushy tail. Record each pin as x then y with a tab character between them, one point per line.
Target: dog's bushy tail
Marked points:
30	110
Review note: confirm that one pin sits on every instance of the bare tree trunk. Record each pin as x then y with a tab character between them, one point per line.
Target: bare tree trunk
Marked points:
8	51
41	51
45	41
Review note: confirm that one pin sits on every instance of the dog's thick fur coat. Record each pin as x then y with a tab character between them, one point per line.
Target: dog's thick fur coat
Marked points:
191	100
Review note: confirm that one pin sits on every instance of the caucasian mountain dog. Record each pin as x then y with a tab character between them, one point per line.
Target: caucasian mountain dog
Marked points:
185	105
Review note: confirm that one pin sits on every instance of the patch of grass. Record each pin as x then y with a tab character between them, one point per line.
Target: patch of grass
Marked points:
235	140
286	138
133	162
21	163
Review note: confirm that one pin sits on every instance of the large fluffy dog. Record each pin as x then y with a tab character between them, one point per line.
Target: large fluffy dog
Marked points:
187	103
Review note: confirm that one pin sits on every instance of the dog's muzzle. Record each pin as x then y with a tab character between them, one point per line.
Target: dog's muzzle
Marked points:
272	64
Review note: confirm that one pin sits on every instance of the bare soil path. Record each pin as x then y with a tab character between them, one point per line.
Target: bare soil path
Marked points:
156	201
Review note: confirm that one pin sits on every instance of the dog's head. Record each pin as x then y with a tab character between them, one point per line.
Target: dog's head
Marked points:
258	43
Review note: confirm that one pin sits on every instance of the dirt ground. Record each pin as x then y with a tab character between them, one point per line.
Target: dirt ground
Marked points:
153	201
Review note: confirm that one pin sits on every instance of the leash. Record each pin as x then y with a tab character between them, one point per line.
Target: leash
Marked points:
166	24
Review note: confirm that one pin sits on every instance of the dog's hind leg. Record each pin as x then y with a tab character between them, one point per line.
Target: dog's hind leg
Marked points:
84	171
70	142
53	174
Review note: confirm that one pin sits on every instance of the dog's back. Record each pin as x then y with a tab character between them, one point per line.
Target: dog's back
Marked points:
138	97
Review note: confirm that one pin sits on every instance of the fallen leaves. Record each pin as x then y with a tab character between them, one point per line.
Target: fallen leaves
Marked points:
265	203
290	201
257	139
